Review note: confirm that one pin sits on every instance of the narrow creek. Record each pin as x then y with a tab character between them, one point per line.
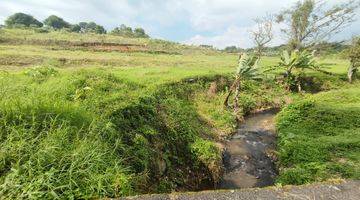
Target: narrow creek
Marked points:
247	157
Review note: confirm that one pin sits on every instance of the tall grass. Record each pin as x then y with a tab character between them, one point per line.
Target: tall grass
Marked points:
320	138
83	123
113	139
97	133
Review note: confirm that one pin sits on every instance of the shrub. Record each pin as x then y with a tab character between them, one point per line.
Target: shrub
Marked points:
126	31
40	74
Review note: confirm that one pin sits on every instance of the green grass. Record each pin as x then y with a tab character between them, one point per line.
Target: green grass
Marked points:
92	134
81	133
79	122
320	138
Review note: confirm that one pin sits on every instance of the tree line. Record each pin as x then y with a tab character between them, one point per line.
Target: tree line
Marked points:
22	20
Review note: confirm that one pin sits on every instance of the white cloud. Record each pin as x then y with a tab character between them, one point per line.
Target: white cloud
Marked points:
232	36
216	22
213	15
231	21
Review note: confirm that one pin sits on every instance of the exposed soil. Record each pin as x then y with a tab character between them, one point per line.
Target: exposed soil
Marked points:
248	159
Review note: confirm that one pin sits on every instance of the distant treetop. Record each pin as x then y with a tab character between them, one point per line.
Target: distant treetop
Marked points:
53	22
56	22
126	31
21	19
233	49
89	27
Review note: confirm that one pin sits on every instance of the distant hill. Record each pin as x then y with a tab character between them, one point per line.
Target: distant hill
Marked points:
97	42
324	48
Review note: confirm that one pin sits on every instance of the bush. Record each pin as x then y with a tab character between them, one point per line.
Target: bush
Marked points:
40	74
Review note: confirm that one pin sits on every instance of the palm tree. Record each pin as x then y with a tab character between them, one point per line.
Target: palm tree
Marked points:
247	70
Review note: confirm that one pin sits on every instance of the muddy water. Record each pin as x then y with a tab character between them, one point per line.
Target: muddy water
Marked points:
247	157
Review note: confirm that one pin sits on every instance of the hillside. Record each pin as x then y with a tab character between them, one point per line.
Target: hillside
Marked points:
319	138
95	42
90	116
143	123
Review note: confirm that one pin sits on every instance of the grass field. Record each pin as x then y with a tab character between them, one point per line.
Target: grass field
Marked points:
88	116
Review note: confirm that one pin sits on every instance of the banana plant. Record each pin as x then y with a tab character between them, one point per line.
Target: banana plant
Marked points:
298	61
247	70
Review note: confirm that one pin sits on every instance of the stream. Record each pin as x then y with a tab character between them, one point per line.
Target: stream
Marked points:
247	157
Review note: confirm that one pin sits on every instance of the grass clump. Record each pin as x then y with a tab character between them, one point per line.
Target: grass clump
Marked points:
93	133
41	73
319	138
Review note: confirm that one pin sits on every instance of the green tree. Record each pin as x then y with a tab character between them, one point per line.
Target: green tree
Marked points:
22	20
232	49
99	30
140	33
354	55
90	27
311	21
75	28
56	22
83	26
123	30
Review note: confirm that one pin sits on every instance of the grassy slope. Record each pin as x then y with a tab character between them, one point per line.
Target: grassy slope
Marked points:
86	128
113	122
92	133
320	137
76	40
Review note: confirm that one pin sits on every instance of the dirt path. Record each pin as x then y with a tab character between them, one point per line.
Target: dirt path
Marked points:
346	190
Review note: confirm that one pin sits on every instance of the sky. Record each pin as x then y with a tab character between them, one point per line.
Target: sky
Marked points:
219	23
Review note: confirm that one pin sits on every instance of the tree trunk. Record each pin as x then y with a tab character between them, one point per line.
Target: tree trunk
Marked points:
226	102
233	86
287	79
298	83
351	73
299	86
236	97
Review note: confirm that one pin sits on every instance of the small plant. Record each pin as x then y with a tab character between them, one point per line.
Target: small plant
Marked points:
41	73
82	93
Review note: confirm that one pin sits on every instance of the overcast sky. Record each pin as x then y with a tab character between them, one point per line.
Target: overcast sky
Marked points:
214	22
